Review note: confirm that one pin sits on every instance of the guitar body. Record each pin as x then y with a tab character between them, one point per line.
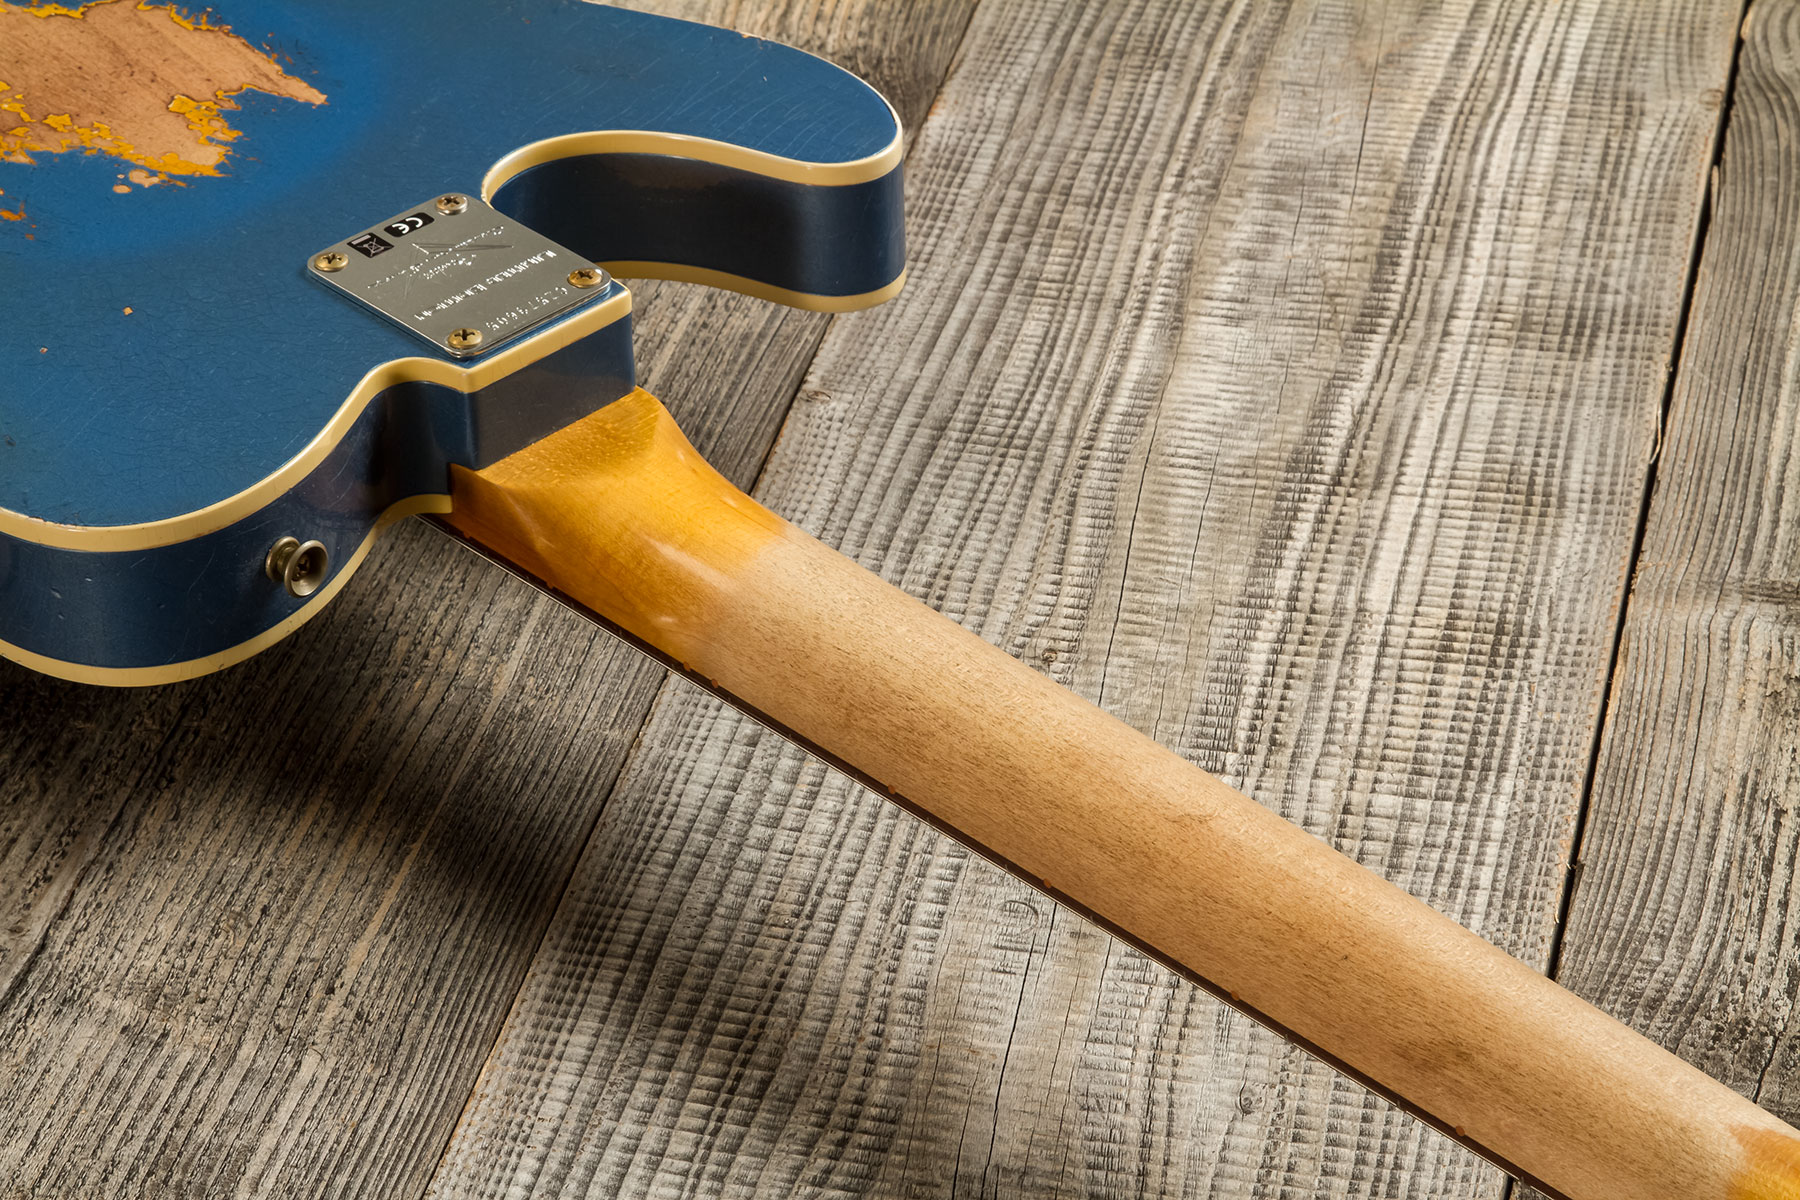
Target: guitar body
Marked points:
183	387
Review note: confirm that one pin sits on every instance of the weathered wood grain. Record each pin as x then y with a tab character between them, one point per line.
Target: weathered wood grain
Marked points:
258	931
1285	378
1684	919
307	890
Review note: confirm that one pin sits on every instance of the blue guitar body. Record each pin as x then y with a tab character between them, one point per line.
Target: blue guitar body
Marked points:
182	387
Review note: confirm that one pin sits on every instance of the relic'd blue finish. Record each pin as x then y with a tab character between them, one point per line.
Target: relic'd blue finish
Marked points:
176	393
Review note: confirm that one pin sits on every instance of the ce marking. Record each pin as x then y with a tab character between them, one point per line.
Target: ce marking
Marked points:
406	225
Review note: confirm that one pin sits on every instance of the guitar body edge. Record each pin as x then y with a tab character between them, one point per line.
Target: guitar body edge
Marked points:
156	614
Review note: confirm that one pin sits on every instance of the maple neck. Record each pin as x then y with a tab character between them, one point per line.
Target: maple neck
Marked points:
619	512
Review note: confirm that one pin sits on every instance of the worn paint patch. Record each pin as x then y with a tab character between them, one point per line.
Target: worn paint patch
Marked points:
147	84
1771	1168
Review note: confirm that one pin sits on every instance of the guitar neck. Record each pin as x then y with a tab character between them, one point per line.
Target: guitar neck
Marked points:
619	514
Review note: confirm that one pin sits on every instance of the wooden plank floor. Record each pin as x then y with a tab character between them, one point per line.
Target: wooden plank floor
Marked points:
1685	920
1286	377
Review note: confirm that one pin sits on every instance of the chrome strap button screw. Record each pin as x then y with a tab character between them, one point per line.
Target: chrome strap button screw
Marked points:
587	277
331	260
463	339
452	204
298	566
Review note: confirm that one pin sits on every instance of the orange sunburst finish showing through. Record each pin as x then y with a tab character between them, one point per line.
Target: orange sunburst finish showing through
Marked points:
146	85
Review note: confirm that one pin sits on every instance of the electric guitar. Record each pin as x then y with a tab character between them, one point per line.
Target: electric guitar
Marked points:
214	398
